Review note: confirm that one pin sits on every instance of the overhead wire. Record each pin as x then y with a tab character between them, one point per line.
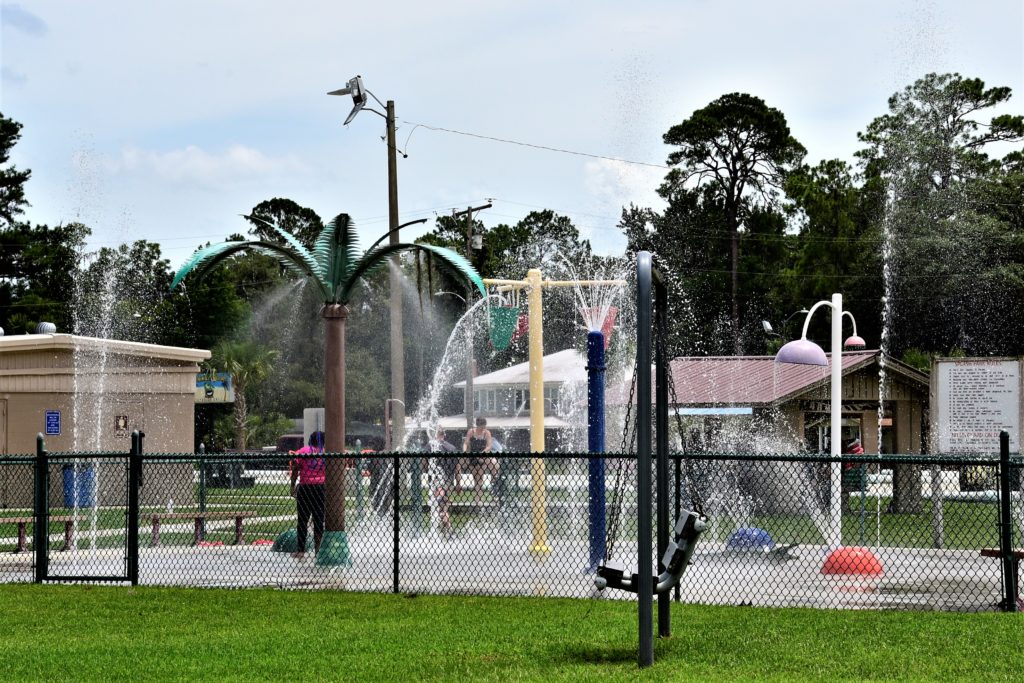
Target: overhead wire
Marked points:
532	145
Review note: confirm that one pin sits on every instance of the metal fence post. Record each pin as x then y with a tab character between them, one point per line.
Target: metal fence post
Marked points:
416	489
1006	526
396	471
678	509
41	505
134	483
202	489
360	504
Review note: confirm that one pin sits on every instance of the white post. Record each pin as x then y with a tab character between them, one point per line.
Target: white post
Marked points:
837	417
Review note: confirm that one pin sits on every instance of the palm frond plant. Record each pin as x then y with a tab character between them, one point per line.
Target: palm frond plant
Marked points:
335	267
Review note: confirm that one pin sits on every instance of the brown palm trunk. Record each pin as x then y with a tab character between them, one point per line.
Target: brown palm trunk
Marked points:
334	316
241	418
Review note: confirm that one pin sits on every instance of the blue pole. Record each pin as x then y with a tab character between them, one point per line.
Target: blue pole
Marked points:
595	444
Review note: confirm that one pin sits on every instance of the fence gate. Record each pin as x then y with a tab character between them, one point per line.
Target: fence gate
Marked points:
87	523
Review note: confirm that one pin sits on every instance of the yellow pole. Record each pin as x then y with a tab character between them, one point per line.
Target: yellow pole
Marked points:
538	498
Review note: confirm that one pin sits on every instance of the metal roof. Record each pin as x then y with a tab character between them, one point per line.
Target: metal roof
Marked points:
759	380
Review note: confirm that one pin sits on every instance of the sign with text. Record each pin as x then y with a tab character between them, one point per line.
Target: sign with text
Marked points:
52	423
973	399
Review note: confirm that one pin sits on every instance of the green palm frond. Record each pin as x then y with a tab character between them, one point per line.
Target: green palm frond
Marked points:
291	263
207	258
376	258
295	245
324	246
202	256
337	249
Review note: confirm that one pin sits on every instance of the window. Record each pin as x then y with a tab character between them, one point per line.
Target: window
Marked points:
551	400
485	401
522	401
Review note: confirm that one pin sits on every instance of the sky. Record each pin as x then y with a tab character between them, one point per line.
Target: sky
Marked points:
168	120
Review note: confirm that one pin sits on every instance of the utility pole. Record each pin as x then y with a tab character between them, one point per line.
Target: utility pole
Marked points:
468	399
397	340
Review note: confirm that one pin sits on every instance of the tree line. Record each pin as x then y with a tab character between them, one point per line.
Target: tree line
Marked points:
923	231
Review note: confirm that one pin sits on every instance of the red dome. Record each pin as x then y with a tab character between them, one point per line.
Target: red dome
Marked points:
852	560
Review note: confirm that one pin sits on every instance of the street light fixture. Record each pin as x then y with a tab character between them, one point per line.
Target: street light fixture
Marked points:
802	351
355	88
359	93
767	326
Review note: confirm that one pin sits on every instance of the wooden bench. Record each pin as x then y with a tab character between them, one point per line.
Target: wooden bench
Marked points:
198	518
23	522
1016	557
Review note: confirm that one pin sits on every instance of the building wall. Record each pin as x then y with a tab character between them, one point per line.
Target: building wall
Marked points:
863	386
90	391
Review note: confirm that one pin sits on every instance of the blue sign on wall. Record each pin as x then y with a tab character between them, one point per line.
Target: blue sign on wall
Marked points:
53	423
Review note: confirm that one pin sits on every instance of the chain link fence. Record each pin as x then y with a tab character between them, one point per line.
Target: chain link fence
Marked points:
916	533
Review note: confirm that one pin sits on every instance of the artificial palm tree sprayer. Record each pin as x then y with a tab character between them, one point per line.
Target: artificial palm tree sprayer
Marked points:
335	267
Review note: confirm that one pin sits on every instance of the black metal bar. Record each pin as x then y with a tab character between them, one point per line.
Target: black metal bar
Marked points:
134	483
678	509
645	551
202	490
395	471
86	577
41	505
1006	526
992	461
661	432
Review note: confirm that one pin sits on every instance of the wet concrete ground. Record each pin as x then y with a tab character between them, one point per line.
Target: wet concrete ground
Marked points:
489	561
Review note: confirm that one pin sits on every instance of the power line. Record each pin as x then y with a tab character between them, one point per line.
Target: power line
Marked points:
527	144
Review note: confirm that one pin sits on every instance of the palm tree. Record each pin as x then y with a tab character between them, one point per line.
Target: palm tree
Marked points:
335	267
249	364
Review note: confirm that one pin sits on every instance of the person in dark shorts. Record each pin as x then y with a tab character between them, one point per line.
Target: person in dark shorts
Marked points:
307	487
479	442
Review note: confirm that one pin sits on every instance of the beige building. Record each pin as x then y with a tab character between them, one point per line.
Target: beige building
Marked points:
87	394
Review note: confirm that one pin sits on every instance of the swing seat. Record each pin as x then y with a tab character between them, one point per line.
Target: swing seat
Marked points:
675	559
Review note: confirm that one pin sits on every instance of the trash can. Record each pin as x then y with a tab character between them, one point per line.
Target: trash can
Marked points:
79	487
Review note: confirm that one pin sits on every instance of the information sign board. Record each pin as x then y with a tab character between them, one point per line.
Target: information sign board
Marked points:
973	399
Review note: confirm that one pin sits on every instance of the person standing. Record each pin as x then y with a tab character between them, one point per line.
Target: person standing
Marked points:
478	441
446	465
307	487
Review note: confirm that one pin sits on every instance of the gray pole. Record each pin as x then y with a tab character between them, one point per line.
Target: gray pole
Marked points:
468	398
397	341
644	550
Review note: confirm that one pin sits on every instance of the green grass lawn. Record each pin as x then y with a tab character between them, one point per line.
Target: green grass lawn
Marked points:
115	633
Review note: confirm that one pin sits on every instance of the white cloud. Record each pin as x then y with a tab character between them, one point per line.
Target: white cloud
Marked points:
196	166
